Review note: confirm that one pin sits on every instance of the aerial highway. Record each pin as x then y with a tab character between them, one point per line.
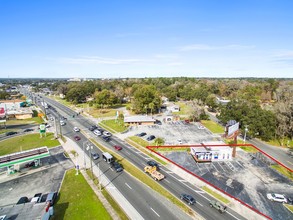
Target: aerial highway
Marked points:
173	183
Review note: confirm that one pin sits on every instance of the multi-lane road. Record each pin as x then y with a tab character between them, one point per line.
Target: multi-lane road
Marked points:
147	204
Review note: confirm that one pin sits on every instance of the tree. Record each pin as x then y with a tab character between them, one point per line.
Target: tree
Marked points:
145	97
159	141
211	102
105	98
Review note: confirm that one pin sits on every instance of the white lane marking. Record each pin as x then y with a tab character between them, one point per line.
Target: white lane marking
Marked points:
232	215
199	203
127	152
128	186
190	187
111	168
167	171
143	164
155	212
289	162
183	181
167	181
146	158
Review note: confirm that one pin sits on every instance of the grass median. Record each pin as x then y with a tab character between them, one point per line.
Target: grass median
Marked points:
109	198
215	194
213	126
141	144
77	200
27	142
283	171
146	179
114	125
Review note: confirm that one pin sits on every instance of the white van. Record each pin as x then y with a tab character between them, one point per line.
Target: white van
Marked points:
107	157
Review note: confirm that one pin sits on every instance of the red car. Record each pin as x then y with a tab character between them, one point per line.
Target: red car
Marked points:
118	147
77	138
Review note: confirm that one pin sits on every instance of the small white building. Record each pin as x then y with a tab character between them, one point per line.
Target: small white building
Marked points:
212	151
173	108
139	120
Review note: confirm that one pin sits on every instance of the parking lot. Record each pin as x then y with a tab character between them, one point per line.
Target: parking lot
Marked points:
44	179
174	133
247	178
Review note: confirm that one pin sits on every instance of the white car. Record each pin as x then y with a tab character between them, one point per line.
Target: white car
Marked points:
276	197
107	134
97	132
76	129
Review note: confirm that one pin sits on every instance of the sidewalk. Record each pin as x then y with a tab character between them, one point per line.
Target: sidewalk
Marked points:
111	189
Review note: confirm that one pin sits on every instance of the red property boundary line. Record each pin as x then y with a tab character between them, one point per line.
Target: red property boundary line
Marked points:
220	145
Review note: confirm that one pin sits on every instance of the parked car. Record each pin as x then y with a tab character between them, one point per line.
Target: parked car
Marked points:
62	123
10	133
158	122
277	197
217	205
52	196
43	198
141	134
187	198
77	138
117	147
22	200
76	129
117	166
95	156
105	138
290	201
150	138
153	164
28	130
30	164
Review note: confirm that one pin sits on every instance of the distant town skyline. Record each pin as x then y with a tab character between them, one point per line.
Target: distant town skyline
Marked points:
128	39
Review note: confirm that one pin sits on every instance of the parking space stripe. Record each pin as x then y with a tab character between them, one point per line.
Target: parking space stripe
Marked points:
215	167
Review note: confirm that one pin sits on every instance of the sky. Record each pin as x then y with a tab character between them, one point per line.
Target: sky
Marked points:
150	38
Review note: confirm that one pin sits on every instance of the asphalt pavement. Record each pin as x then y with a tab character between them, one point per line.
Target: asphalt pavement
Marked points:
173	182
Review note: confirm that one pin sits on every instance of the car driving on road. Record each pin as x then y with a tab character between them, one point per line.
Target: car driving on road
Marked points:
117	147
117	166
11	133
76	129
217	205
187	198
77	138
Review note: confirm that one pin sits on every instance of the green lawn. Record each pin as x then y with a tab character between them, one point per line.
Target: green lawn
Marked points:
139	141
215	194
184	109
33	120
27	142
77	200
212	126
286	142
249	149
116	125
290	207
3	130
283	171
108	197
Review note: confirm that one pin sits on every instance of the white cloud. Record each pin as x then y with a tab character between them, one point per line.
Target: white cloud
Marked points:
209	47
175	64
166	56
284	57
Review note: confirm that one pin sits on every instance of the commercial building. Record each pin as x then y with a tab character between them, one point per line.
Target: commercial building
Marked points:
139	120
211	151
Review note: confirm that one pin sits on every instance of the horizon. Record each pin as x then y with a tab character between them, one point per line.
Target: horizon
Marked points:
167	38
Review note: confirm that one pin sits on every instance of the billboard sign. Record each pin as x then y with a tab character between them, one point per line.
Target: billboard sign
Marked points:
2	115
232	129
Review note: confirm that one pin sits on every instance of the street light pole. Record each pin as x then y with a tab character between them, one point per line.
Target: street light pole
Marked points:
84	162
246	130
